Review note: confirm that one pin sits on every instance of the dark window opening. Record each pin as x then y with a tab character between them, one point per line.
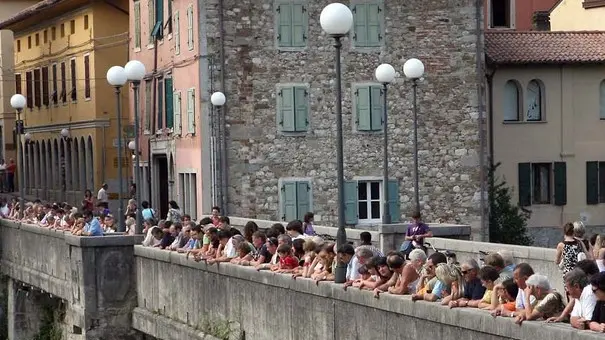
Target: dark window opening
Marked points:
500	13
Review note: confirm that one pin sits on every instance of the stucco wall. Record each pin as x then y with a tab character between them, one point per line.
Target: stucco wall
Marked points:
570	15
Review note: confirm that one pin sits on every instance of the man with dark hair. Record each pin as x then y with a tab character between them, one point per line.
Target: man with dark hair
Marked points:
415	235
520	275
93	226
366	242
216	215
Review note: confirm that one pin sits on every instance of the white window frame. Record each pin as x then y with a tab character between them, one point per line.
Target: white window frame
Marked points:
137	25
367	181
176	31
511	16
190	42
187	192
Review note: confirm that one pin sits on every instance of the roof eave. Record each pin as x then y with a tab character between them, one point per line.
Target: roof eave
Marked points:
29	12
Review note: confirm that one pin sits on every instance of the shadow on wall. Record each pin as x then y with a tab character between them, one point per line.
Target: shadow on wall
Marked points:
549	237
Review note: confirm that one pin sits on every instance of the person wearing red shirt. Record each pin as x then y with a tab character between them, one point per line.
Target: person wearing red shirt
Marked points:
287	261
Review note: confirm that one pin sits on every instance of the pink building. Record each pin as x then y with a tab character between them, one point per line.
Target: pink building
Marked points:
164	36
514	14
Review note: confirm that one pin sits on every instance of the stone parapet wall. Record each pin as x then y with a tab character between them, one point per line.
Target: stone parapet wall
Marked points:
274	306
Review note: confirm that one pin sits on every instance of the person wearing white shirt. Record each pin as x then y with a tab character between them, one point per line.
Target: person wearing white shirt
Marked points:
102	194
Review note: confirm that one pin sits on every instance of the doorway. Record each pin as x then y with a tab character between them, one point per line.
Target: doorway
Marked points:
161	170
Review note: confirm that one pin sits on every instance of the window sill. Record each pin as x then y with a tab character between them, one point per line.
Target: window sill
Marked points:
146	132
169	36
137	49
150	46
515	122
291	48
87	99
587	4
294	133
366	49
501	28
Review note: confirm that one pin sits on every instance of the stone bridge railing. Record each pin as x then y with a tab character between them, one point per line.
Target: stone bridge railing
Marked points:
94	276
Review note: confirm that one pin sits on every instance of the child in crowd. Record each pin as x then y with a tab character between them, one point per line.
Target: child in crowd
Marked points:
287	261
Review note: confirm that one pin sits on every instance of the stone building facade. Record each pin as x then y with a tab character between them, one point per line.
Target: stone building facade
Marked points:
264	55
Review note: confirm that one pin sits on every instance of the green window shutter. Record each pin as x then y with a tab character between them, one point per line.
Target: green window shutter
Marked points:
288	201
191	111
160	114
299	25
560	173
351	204
602	100
159	18
303	199
601	182
363	109
285	23
393	200
177	113
374	30
286	109
137	24
360	25
377	110
301	109
177	33
190	43
592	182
169	103
151	12
524	184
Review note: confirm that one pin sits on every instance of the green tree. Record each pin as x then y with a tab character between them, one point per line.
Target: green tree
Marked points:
507	221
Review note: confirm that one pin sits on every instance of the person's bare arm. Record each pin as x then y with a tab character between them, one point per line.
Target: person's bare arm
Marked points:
559	253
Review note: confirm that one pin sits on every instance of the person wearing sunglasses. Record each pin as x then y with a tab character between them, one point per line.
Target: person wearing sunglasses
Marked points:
473	289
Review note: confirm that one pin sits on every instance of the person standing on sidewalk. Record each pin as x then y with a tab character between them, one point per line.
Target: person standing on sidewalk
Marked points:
10	175
102	194
2	175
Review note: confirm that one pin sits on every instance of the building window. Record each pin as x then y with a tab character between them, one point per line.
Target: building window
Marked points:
18	45
188	193
37	88
169	103
74	82
177	34
602	100
37	39
368	107
169	21
54	95
293	108
63	83
148	104
535	101
364	200
151	12
86	21
292	22
512	101
160	93
190	43
53	33
45	36
538	182
595	182
45	86
87	76
368	18
501	13
29	90
191	111
29	42
72	27
176	107
137	24
295	199
18	85
62	30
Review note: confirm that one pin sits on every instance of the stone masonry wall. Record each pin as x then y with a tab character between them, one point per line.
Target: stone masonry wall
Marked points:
441	33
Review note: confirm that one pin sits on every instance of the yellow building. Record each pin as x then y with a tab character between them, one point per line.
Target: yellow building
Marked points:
578	15
62	51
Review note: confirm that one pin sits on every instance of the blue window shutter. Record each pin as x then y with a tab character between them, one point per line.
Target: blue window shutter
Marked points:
301	109
360	25
286	109
169	103
351	214
299	25
284	32
288	191
303	201
393	200
377	110
592	182
363	109
374	35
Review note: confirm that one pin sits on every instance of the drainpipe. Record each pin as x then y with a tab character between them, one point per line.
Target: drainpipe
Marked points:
479	71
223	113
153	116
490	97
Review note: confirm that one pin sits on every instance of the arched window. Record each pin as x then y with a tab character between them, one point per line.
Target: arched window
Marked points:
535	101
602	100
512	101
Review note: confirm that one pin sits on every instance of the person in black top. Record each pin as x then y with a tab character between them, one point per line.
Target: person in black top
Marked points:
597	323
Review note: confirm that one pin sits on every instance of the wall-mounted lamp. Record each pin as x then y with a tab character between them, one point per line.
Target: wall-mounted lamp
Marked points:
65	134
28	139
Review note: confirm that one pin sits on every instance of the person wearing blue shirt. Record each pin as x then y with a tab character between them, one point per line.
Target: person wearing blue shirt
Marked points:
93	226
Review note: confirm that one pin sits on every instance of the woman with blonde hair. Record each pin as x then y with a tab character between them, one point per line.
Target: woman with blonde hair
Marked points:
599	252
451	276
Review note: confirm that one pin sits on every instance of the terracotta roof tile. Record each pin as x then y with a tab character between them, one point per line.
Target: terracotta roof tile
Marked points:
34	9
545	47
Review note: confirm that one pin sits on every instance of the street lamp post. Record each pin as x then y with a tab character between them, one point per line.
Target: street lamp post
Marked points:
385	74
414	69
135	72
116	77
218	99
18	102
65	136
336	20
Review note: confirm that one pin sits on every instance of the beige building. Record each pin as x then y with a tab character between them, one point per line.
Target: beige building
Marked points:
578	15
547	123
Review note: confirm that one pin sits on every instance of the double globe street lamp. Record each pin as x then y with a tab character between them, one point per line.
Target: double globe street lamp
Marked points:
336	20
118	76
18	103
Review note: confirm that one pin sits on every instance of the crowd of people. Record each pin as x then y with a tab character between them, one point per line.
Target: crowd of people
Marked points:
499	285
